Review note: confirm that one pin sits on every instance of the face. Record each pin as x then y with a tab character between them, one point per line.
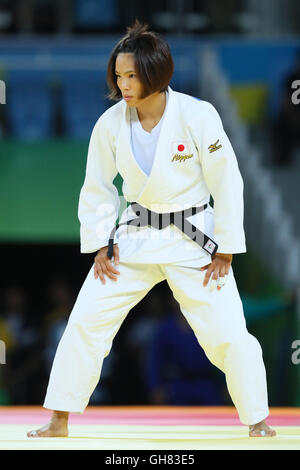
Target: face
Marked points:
129	84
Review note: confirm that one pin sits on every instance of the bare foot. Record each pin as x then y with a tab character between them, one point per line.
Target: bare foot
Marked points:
58	426
261	430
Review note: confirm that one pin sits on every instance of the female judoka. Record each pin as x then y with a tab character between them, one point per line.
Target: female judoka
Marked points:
173	154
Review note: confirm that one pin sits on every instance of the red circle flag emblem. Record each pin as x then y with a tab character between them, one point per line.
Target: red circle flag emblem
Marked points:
180	147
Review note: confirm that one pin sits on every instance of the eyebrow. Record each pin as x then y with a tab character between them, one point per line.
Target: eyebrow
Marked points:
128	71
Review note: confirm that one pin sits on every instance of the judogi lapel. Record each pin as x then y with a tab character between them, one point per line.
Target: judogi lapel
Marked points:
125	161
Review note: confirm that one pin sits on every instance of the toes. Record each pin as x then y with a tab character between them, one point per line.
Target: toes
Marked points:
45	432
262	433
258	434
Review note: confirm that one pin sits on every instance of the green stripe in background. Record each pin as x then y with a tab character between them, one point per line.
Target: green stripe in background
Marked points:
40	184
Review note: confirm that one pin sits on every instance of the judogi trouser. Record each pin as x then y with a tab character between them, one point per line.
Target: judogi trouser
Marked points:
216	318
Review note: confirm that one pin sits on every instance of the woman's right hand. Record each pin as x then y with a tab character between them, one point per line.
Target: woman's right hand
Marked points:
103	265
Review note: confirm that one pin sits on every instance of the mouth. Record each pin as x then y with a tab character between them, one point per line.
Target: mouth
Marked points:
127	97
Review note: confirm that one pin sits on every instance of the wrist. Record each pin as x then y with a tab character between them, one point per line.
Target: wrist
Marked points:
225	256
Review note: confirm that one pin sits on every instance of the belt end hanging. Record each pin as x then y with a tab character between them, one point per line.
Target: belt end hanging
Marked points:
110	250
210	246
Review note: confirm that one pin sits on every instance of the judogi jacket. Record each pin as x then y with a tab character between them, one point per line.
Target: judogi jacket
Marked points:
193	160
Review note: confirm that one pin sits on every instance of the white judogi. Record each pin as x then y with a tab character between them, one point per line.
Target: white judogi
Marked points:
193	159
178	180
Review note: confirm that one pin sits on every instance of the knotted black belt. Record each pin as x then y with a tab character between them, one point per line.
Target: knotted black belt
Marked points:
158	220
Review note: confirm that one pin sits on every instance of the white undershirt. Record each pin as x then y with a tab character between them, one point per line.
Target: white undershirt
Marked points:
144	143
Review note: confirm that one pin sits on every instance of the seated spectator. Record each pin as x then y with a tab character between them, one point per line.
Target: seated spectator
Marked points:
7	338
128	384
60	301
22	363
177	370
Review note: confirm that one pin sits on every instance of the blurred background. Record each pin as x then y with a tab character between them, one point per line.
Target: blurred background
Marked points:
241	55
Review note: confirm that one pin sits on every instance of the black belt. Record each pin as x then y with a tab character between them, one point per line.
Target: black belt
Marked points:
159	221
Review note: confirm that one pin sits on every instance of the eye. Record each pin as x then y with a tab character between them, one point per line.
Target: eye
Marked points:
132	75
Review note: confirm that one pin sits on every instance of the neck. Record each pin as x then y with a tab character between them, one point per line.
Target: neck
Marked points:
152	107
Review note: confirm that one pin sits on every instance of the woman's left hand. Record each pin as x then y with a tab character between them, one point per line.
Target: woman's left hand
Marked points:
218	268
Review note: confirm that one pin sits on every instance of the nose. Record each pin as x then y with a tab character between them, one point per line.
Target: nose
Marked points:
124	84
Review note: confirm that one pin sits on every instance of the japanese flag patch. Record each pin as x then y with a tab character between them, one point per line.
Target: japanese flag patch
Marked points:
180	151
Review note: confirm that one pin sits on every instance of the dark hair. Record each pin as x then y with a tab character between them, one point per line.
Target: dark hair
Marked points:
153	60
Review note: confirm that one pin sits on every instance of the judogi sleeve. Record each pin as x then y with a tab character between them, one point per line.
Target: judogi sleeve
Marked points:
224	182
98	201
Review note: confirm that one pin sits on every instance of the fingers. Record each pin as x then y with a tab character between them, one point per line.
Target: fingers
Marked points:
216	274
116	254
222	277
105	269
103	266
214	279
110	270
211	269
204	267
98	272
221	282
